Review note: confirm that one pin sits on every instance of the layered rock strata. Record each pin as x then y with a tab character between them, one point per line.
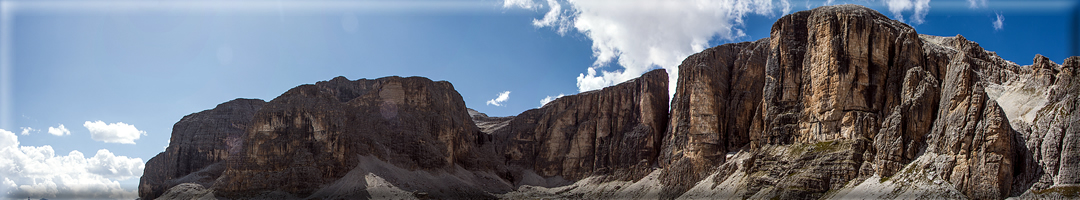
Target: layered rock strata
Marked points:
313	135
613	131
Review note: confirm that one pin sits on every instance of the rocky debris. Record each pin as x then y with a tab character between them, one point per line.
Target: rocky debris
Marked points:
311	136
199	145
614	131
189	191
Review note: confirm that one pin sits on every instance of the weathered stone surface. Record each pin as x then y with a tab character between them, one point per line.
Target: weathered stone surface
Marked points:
834	73
614	131
199	145
1052	141
313	135
711	111
902	134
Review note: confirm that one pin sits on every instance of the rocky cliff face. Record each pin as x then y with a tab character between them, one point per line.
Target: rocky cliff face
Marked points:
839	102
713	110
614	131
313	135
851	95
198	148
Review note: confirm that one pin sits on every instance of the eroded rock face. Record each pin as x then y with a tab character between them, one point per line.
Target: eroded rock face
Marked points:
613	131
199	145
713	110
313	135
834	73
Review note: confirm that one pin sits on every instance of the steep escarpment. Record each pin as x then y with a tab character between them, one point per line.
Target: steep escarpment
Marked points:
613	131
839	102
198	148
313	135
851	96
713	110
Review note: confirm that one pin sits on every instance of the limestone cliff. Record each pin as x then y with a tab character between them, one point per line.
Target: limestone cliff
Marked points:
199	145
613	131
839	102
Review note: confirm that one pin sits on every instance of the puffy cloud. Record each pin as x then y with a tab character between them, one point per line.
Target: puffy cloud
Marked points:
919	8
503	96
59	131
549	99
27	130
640	35
8	139
36	171
999	23
113	133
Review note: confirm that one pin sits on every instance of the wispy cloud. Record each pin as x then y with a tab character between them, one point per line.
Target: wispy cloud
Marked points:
27	130
36	171
976	3
999	23
497	101
548	99
113	133
526	4
59	131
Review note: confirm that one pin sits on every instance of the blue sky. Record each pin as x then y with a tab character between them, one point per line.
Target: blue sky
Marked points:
118	74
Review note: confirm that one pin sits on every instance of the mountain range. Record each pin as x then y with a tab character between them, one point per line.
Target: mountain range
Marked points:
839	102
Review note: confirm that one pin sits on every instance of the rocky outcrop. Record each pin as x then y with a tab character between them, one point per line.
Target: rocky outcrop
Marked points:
314	135
613	131
1052	140
711	111
199	145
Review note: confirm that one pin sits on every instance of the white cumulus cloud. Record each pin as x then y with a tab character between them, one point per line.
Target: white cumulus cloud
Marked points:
640	35
36	171
548	99
919	9
59	131
999	23
497	101
113	133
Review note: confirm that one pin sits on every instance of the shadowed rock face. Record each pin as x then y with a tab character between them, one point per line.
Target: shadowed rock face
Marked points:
199	145
312	135
613	131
